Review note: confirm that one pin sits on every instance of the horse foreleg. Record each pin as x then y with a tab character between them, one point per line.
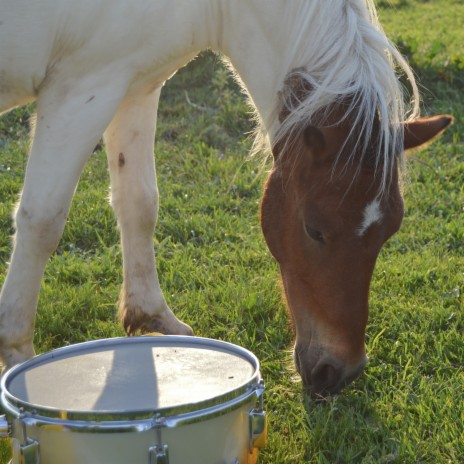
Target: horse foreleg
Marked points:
134	198
70	121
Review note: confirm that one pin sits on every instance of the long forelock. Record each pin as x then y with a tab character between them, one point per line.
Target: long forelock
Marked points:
344	57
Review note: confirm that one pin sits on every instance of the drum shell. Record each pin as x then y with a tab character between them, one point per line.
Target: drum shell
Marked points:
223	439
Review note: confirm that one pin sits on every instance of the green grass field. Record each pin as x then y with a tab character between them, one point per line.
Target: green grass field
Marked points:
216	272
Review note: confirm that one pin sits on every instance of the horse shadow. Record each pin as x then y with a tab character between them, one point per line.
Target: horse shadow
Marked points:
348	429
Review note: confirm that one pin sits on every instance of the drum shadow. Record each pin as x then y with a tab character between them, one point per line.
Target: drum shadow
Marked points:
131	381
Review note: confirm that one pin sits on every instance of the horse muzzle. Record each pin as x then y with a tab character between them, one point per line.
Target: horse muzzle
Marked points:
324	374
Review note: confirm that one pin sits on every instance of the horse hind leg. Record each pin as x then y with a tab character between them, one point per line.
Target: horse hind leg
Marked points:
134	197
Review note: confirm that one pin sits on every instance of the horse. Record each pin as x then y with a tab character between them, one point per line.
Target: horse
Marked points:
322	78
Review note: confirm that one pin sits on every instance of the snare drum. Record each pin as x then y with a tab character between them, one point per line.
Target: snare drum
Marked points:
138	400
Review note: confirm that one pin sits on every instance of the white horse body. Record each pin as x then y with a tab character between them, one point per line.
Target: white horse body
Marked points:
97	66
135	43
142	40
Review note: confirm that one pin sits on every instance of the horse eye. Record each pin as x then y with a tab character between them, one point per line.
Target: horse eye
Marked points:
315	234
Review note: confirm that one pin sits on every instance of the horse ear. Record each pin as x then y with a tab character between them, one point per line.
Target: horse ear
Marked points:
423	130
295	89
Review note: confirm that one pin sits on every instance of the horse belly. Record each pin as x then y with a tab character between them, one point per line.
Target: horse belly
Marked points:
63	41
26	37
37	38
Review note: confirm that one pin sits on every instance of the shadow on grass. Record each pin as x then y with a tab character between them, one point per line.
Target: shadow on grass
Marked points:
348	429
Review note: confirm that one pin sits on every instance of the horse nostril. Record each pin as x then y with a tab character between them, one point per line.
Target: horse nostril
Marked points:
326	377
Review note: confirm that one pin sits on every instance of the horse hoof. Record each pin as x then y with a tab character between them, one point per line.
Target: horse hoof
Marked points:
159	325
135	321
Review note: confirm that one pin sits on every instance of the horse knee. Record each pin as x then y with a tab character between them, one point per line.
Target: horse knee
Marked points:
41	230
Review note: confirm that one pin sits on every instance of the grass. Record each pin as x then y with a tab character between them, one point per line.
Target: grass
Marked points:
217	274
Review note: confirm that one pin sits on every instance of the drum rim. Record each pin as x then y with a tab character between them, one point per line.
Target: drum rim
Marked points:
228	399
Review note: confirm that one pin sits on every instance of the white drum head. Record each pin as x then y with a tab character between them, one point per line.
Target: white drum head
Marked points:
133	375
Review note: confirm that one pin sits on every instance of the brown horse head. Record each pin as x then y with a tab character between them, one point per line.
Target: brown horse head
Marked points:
325	223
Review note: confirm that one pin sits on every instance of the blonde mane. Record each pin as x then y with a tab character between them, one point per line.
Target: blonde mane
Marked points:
340	51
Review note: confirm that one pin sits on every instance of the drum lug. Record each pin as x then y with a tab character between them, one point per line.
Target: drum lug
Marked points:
25	450
159	454
258	421
26	454
258	428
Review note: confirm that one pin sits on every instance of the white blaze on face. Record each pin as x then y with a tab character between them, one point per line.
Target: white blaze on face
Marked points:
371	215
